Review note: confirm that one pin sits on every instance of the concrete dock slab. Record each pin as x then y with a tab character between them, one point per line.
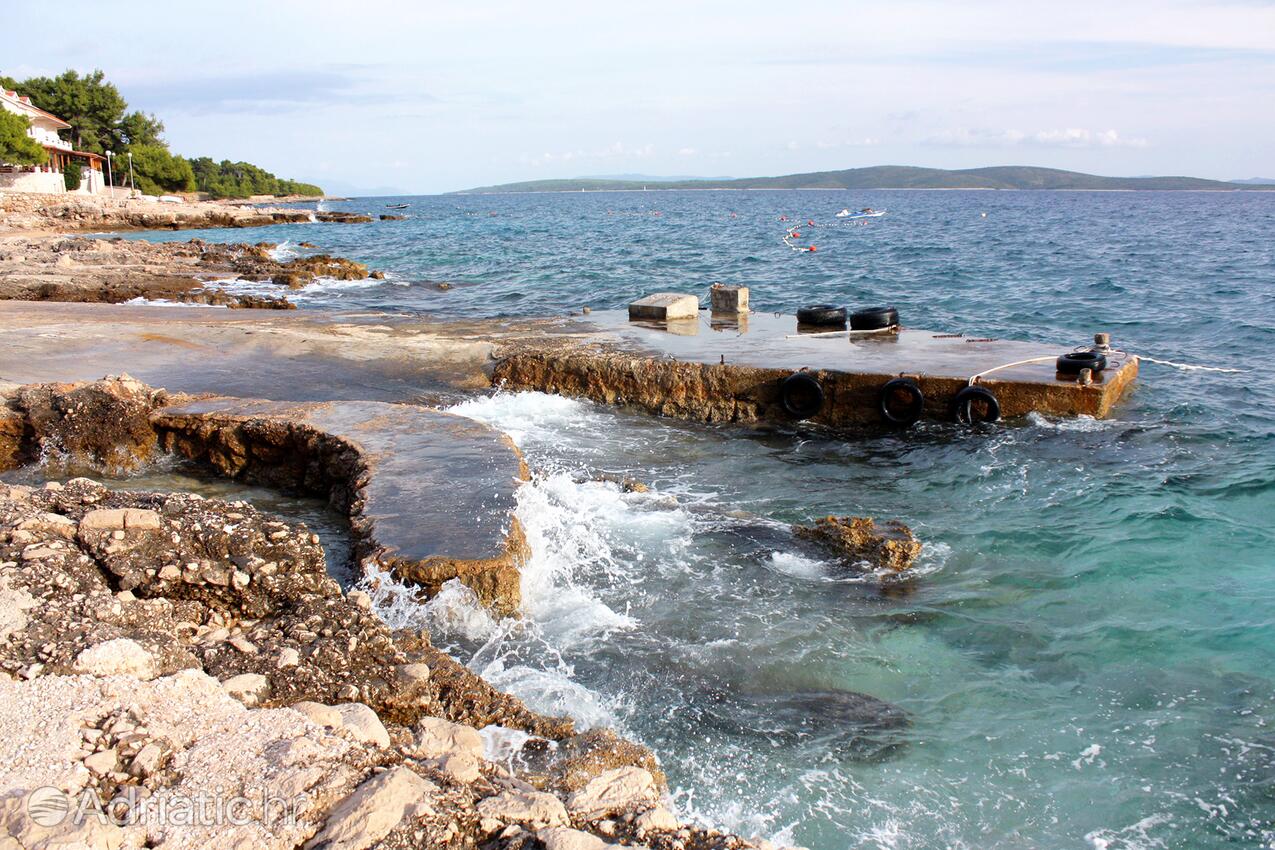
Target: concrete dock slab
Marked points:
716	370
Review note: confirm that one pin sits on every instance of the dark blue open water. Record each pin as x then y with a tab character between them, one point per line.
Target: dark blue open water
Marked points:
1087	655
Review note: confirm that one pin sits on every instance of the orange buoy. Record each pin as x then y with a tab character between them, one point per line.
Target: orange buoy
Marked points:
812	249
796	234
810	221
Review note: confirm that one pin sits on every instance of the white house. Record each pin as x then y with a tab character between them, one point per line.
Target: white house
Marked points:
48	177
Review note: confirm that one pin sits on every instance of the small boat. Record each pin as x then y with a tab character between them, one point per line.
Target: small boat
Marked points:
866	212
397	206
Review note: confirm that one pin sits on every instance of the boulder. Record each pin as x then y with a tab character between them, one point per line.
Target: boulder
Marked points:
319	714
437	738
658	819
375	808
615	792
118	657
535	809
562	838
461	767
889	546
251	689
362	724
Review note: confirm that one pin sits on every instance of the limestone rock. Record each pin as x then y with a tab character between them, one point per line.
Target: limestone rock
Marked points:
375	808
562	838
658	819
890	546
14	604
615	792
436	738
50	523
532	808
362	724
319	714
102	763
121	656
461	767
249	688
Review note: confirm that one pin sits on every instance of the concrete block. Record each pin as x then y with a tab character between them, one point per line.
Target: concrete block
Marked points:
664	306
728	299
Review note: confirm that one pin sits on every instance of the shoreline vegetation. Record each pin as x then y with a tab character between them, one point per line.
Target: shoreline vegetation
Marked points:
1008	177
101	123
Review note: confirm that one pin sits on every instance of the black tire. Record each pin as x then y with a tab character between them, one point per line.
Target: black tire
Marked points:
801	395
822	314
910	412
966	406
874	319
1071	364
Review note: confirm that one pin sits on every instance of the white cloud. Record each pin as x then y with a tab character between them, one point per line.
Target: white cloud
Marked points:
1070	137
833	144
618	150
687	152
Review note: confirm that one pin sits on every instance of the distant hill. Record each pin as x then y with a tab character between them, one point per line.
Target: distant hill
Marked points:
651	178
1256	181
890	177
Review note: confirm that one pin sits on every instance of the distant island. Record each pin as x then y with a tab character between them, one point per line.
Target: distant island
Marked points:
888	177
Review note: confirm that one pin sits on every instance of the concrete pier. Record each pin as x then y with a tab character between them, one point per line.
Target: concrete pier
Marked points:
724	371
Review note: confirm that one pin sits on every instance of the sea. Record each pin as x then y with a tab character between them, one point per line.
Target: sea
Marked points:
1084	655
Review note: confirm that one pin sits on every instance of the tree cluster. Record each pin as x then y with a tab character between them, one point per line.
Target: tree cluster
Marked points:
100	122
228	179
16	147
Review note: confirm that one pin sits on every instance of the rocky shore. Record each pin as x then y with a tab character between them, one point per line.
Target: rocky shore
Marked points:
35	213
62	268
164	651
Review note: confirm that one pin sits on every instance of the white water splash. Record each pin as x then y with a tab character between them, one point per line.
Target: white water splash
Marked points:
284	251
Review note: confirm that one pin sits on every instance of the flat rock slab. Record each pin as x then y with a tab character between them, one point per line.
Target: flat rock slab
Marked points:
432	494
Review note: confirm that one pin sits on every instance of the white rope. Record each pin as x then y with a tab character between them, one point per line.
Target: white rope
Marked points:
1187	367
974	378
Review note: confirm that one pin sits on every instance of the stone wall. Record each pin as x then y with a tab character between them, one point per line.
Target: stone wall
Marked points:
39	182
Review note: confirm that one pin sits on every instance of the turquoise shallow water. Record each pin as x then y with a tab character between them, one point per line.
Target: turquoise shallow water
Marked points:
1086	653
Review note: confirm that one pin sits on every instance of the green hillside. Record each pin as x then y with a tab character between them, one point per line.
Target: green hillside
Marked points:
890	177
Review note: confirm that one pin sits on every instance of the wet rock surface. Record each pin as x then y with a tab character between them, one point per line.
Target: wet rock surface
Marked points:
431	495
151	643
889	545
104	423
56	268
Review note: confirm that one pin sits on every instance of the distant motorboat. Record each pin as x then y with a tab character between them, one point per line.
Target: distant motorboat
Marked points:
397	206
866	212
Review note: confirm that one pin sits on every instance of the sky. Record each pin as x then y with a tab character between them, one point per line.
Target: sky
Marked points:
426	97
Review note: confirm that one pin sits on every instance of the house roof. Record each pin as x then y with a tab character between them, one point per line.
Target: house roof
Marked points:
25	102
83	154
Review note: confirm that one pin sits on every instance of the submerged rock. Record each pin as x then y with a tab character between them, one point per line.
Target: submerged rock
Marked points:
889	546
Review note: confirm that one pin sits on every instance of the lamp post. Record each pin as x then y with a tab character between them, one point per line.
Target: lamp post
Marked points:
110	181
132	186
